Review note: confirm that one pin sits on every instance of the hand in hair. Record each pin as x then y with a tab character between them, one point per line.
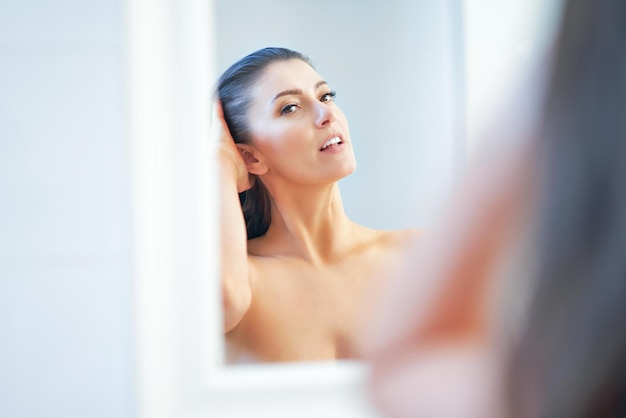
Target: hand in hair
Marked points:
229	154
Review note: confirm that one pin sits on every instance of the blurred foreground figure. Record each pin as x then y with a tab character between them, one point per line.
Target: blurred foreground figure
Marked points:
520	309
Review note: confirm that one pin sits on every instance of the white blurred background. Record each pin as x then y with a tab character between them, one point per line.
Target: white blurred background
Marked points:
66	324
414	100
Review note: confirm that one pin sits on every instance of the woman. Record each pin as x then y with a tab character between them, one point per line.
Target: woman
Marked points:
559	209
294	267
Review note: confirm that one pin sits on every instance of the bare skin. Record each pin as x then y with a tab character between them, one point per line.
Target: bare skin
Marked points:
305	310
298	292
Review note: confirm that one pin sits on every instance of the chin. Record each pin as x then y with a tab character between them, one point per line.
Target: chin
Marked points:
348	168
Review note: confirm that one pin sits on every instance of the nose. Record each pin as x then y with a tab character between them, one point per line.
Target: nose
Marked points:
326	115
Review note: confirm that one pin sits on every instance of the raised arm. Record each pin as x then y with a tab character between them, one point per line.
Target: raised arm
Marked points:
234	178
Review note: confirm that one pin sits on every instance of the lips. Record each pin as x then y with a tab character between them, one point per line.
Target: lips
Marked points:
332	142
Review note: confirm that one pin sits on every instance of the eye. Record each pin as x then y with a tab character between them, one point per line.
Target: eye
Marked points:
290	108
328	97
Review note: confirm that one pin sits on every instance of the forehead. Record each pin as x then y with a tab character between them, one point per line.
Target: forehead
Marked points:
285	75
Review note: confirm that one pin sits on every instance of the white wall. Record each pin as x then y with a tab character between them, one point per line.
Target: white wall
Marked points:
65	264
392	64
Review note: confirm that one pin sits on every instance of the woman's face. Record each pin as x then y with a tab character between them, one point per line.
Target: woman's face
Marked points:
296	126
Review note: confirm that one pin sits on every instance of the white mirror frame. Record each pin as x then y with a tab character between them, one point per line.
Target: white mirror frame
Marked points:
171	67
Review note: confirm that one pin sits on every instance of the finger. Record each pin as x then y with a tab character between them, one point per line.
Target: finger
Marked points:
216	127
218	119
217	112
218	109
218	124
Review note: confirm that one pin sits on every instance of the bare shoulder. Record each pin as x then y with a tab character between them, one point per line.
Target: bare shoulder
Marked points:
397	239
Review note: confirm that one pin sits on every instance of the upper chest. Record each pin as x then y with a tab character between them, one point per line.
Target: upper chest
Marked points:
301	311
292	292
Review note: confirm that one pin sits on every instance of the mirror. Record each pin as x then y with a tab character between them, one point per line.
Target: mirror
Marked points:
395	67
175	246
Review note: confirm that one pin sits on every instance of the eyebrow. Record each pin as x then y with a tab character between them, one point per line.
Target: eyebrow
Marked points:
297	91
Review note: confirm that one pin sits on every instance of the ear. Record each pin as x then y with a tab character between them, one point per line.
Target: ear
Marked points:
253	159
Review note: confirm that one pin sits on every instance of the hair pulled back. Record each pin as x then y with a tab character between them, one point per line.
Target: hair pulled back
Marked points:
233	90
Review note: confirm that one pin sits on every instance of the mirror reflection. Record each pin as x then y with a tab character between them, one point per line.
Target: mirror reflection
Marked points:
301	253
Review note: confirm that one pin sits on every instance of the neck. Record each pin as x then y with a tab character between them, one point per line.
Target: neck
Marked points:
309	222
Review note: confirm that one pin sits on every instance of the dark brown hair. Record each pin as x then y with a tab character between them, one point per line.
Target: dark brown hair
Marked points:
234	92
571	358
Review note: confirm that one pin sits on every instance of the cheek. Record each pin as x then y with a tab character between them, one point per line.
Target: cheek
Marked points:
280	140
276	150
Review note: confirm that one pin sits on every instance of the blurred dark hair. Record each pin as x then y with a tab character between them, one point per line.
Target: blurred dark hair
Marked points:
233	90
571	358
